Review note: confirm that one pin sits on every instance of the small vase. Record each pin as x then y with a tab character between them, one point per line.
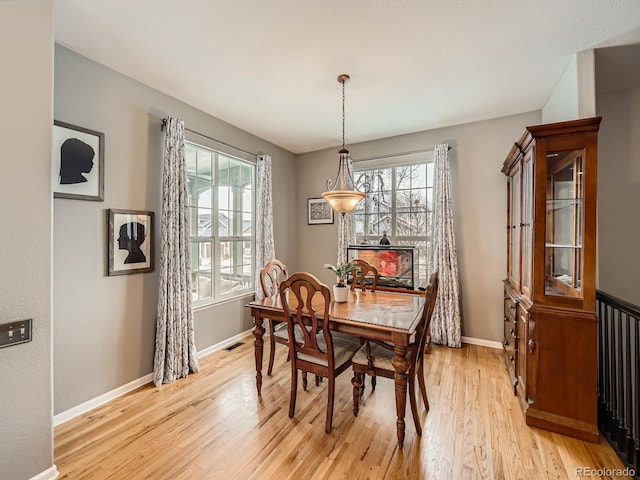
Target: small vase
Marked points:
340	294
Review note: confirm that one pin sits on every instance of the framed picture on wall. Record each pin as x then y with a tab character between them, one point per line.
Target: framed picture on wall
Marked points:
319	211
130	242
77	169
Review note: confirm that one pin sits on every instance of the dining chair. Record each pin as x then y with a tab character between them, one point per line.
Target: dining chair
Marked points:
359	276
306	302
273	273
375	358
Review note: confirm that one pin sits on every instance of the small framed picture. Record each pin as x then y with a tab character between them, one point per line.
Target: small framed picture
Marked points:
77	169
130	242
319	211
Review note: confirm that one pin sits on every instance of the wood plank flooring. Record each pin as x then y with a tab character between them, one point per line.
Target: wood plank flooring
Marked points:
213	425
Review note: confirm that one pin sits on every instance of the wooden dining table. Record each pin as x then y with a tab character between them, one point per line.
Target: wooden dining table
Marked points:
390	317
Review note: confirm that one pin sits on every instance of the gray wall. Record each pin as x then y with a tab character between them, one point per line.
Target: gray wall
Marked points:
574	95
105	326
619	194
479	209
26	56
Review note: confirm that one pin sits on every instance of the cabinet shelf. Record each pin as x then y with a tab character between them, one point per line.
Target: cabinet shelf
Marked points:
561	245
555	204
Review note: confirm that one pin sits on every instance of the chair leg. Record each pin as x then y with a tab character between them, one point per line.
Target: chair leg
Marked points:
304	380
272	346
414	404
332	384
357	382
373	383
294	388
318	380
421	383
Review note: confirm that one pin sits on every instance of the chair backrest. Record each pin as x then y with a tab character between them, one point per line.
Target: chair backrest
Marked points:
310	300
271	276
431	294
358	276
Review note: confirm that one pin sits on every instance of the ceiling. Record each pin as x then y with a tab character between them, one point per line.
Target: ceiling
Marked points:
270	67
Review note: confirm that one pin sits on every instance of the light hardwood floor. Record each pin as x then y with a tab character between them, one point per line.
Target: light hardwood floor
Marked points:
213	425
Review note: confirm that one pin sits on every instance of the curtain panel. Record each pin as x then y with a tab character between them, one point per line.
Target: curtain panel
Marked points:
175	352
346	228
446	320
265	250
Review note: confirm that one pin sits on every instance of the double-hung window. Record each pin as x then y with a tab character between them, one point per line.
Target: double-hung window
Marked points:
399	203
221	203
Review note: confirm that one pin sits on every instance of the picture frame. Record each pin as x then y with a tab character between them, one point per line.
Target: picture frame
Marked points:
77	169
319	211
130	241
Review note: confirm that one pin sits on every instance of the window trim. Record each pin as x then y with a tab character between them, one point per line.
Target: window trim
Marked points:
394	160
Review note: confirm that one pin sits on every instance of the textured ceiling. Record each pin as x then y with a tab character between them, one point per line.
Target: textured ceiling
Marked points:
269	66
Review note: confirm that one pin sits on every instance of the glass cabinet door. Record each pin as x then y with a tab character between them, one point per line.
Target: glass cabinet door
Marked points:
564	224
527	225
514	227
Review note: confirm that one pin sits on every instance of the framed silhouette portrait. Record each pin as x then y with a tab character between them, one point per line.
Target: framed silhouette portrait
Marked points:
77	169
130	242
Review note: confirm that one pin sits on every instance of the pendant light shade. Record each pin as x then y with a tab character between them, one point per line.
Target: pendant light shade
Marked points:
343	195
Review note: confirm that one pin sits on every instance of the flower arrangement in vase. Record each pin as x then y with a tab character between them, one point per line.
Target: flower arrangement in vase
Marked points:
342	270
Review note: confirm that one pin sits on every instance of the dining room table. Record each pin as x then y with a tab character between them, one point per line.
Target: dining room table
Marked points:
383	316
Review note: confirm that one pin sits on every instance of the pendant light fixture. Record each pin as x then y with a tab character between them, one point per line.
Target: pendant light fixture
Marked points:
343	194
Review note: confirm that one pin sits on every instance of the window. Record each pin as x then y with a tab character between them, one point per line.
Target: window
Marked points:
221	205
400	204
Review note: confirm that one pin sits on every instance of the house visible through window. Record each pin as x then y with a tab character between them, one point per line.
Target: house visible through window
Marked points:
221	215
400	204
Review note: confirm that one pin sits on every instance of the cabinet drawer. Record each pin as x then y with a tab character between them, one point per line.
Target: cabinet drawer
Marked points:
510	345
510	307
510	335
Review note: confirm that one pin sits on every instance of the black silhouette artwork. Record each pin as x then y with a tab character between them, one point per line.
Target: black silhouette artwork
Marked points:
132	236
76	158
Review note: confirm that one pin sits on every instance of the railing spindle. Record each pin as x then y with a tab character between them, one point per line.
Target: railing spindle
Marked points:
619	377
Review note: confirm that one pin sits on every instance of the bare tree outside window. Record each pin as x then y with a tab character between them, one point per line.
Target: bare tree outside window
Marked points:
400	202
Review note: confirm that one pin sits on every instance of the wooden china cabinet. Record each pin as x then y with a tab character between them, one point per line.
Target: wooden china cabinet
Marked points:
550	322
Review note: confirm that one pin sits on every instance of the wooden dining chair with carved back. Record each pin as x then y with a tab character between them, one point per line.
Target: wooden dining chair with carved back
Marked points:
365	271
375	359
306	302
273	273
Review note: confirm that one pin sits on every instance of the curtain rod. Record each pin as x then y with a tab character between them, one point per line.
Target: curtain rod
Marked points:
164	124
403	154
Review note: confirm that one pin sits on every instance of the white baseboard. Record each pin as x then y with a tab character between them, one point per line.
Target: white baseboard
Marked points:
223	344
481	342
118	392
50	473
100	400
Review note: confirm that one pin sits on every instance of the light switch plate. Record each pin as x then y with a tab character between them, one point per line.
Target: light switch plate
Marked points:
13	333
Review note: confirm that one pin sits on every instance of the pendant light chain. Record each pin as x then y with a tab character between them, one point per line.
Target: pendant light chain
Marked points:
343	114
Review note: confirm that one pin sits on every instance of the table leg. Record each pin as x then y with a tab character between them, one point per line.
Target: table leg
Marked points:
258	332
401	365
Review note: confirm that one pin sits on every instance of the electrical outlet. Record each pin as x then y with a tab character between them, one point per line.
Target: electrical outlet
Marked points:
14	333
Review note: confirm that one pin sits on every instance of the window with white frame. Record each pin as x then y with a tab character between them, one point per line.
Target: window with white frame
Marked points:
221	202
399	203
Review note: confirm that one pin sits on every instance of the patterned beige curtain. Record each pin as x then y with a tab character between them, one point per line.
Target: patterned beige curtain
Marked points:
175	354
445	321
265	250
346	228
